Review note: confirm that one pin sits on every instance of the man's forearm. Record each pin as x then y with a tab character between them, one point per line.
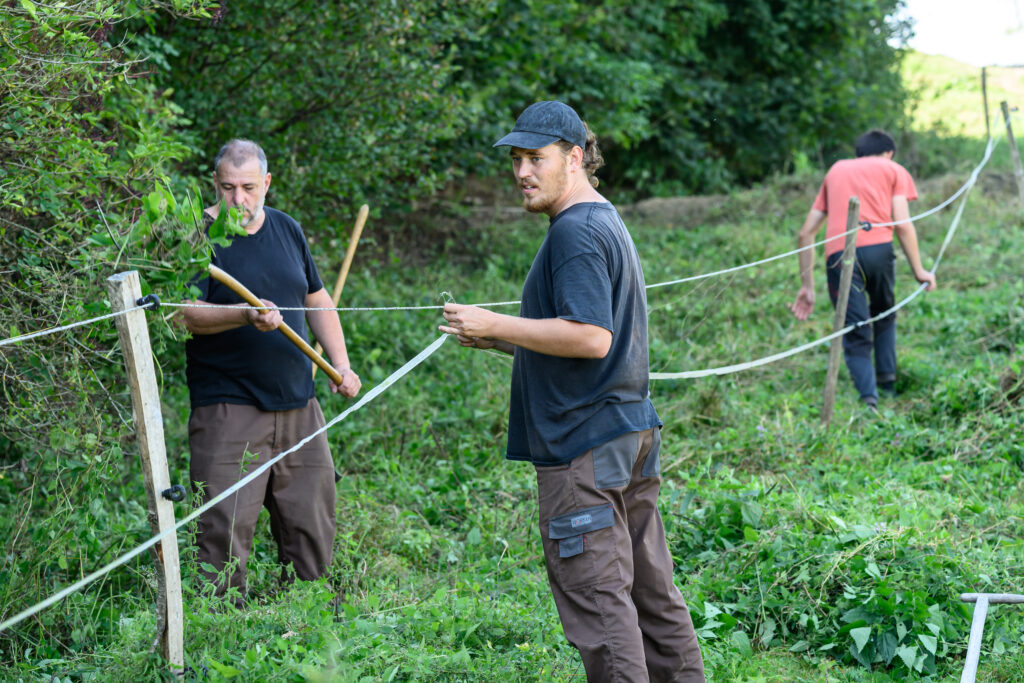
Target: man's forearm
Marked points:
553	336
907	236
207	319
806	259
805	238
505	347
327	329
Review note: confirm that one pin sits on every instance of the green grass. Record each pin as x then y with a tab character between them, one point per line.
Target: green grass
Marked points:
800	549
794	543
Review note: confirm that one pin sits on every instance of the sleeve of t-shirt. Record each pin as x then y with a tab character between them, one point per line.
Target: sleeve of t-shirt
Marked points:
583	291
315	284
904	184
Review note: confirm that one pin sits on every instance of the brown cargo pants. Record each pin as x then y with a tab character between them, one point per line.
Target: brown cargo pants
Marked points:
609	567
298	491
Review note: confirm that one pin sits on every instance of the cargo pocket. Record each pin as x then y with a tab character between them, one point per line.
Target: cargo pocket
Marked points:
613	461
652	466
584	557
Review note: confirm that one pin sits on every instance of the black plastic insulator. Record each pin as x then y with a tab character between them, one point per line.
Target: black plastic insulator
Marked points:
150	301
175	494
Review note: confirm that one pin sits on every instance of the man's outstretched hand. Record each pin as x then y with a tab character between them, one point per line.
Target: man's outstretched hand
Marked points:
804	303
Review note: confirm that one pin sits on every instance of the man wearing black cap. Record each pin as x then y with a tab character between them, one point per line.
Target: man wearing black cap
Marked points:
580	411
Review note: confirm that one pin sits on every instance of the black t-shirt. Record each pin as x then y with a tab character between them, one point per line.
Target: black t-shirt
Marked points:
587	270
243	365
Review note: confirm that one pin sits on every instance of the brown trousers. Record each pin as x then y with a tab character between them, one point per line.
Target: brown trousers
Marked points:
609	567
228	441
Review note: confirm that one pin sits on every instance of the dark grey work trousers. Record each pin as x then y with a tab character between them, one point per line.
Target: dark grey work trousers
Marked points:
227	442
871	292
609	566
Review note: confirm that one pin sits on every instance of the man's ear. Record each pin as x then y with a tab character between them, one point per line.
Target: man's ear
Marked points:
576	157
266	183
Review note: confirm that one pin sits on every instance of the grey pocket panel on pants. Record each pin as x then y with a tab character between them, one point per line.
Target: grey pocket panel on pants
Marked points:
613	461
652	466
570	547
581	522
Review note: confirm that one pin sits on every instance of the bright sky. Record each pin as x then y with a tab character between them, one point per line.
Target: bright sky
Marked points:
977	32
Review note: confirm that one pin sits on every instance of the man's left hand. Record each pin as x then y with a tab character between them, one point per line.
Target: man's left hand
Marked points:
467	322
350	384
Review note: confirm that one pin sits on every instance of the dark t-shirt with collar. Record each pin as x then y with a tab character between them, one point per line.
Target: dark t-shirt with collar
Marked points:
587	270
243	365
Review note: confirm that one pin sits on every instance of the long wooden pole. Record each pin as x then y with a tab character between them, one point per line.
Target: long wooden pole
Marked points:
350	253
124	290
839	322
250	298
1018	169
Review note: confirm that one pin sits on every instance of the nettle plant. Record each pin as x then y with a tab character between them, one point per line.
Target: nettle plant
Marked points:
768	571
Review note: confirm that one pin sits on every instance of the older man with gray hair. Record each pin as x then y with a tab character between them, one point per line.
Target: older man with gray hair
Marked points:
251	389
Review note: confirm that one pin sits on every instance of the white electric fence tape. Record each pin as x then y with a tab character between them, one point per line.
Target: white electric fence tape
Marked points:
370	395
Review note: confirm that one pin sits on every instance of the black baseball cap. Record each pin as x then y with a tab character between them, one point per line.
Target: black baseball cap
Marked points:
542	123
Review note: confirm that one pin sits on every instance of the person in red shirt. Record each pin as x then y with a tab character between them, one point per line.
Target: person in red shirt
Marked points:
884	189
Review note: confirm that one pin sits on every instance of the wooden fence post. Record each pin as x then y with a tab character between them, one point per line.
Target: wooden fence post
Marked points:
1018	170
125	290
839	322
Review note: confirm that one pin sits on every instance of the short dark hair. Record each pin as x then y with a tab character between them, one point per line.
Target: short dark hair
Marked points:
875	142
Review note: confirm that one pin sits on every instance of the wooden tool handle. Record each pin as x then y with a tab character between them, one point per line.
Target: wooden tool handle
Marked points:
350	253
240	289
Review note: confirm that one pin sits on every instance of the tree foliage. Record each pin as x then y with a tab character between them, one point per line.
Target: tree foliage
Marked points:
388	105
349	102
691	96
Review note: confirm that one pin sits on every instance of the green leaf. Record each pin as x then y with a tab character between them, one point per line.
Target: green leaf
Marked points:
800	646
861	636
30	7
225	670
908	655
741	641
473	537
930	643
885	646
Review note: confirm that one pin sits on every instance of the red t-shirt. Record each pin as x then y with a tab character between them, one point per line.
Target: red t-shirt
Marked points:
874	180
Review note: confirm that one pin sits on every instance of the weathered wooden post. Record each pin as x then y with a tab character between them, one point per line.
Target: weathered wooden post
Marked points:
125	291
839	322
1018	170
